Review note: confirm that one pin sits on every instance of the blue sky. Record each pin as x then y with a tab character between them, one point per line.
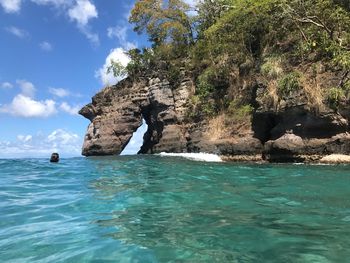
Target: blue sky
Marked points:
54	55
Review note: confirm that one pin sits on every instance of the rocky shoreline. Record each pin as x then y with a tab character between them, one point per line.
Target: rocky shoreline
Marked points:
292	131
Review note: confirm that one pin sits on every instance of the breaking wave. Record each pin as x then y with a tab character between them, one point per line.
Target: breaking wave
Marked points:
204	157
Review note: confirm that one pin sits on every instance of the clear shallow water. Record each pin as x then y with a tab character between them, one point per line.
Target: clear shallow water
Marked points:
162	209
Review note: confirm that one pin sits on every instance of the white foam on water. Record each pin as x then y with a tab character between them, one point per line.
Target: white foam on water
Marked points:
204	157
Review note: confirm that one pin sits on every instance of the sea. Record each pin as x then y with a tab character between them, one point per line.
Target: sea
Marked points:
170	208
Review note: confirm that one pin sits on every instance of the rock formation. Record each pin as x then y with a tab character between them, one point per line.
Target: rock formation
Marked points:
116	112
290	131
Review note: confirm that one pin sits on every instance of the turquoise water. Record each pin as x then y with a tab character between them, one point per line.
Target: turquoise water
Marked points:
161	209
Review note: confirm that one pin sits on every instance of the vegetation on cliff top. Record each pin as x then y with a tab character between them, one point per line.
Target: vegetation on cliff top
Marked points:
222	41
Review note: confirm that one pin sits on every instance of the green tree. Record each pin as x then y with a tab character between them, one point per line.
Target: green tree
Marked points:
209	11
163	21
117	69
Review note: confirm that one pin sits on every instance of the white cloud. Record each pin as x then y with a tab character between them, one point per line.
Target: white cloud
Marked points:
24	138
46	46
72	110
6	85
118	55
79	11
56	3
20	33
27	87
24	104
62	137
82	12
64	142
11	6
92	37
59	92
27	107
120	33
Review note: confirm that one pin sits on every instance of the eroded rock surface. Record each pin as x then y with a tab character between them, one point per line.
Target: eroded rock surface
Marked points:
116	112
290	132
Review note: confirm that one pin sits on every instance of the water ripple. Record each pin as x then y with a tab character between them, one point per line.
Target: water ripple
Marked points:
154	209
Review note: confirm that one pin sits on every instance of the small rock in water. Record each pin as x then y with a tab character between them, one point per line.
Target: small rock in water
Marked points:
54	158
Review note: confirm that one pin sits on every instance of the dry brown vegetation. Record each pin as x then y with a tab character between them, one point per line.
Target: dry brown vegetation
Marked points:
224	125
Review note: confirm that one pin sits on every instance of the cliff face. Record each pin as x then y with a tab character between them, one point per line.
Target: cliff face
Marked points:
116	112
287	130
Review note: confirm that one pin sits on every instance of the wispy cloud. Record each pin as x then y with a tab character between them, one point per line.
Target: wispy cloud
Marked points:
82	12
24	138
27	88
65	142
20	33
6	85
91	36
46	46
59	92
120	33
78	11
72	110
11	6
56	3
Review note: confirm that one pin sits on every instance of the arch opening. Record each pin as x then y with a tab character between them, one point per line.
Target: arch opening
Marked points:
136	141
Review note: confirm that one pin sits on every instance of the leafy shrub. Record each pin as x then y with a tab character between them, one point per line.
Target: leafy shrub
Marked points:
199	108
140	61
212	79
342	59
240	112
272	68
334	96
289	83
205	84
117	69
208	108
346	87
174	74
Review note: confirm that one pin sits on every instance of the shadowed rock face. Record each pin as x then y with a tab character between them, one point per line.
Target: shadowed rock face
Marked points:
294	132
116	112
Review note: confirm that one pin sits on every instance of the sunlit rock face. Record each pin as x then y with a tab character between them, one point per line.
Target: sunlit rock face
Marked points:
116	112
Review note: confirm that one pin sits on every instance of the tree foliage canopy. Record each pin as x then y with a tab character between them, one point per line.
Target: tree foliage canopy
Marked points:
216	37
163	21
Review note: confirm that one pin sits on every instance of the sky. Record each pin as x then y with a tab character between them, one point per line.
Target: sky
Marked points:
53	59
